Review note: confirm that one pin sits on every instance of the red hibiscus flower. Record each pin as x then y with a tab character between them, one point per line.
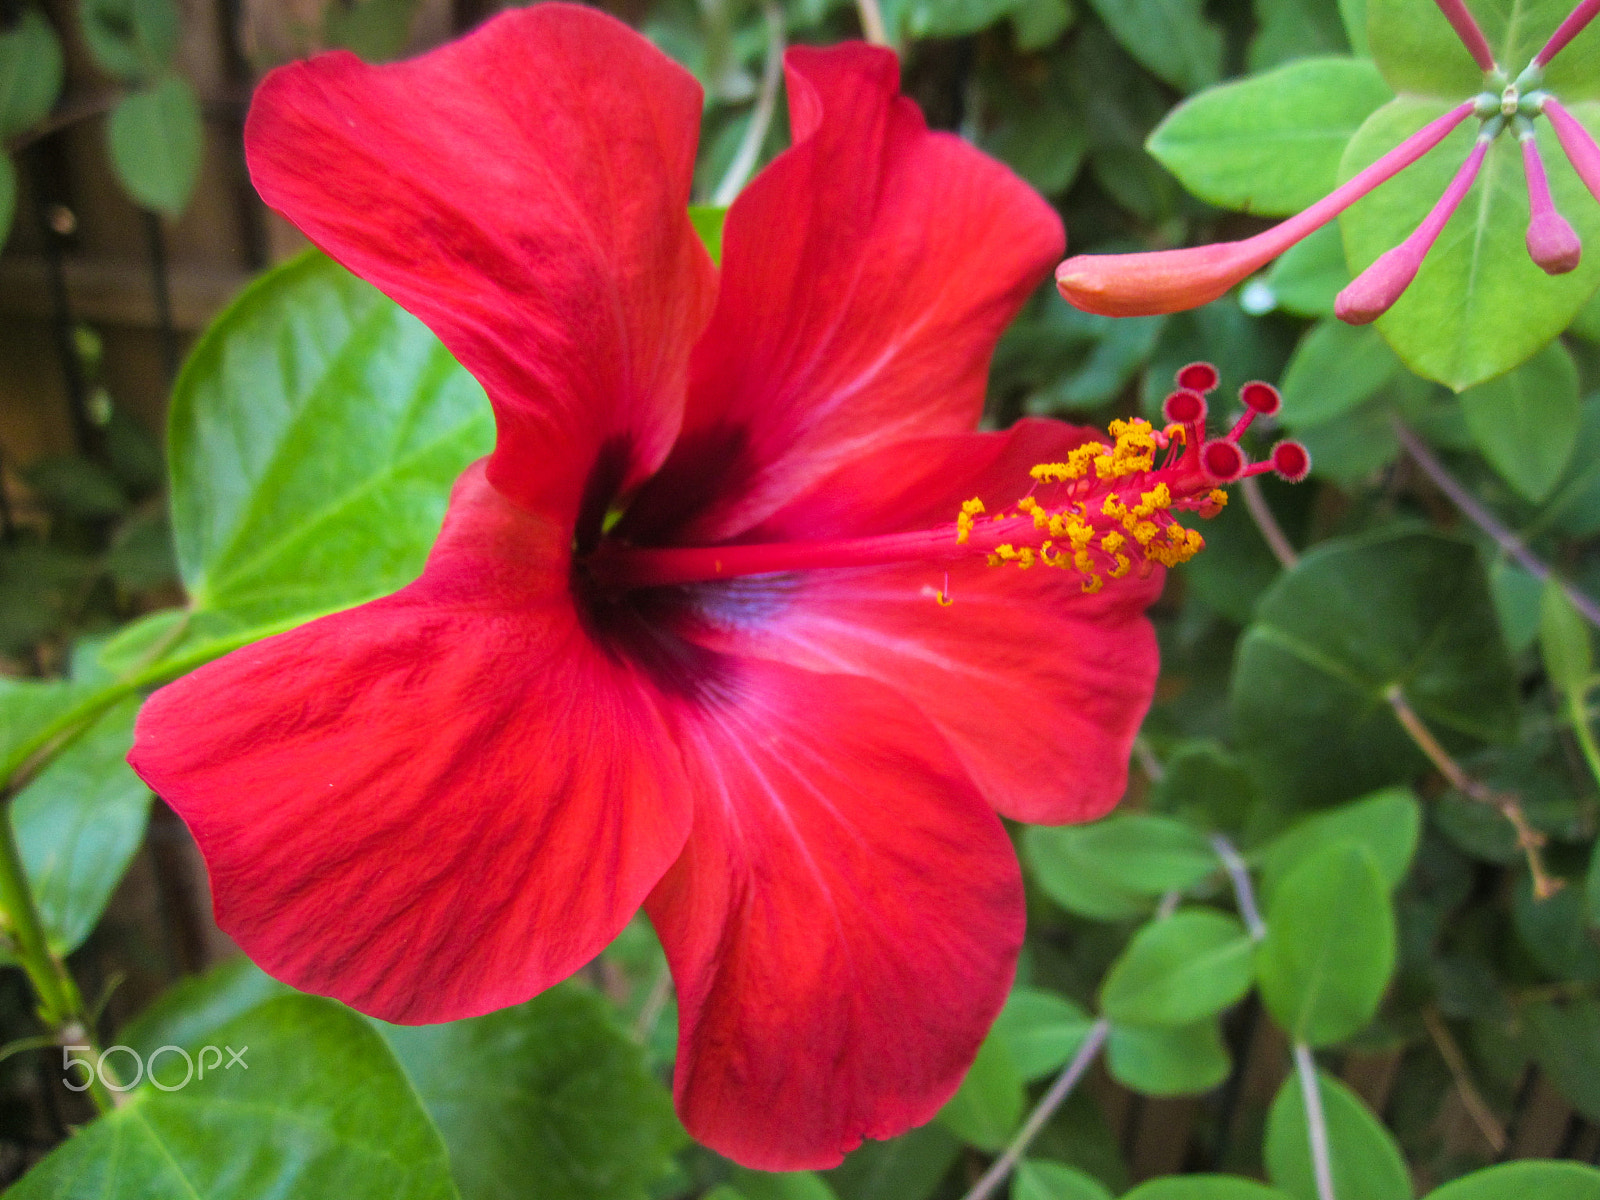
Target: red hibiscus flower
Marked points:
678	644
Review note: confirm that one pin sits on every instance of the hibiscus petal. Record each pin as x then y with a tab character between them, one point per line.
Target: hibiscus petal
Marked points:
523	190
1039	687
867	274
842	927
433	805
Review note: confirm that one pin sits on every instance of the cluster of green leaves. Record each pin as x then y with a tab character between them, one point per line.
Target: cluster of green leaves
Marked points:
314	435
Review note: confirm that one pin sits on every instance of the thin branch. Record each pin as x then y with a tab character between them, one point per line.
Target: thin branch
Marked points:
654	1005
1147	760
1486	521
755	133
872	26
1282	549
80	109
1244	894
1316	1122
1529	839
1052	1100
1445	1043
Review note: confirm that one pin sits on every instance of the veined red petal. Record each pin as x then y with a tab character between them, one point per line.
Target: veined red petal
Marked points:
843	924
523	190
1037	686
434	805
867	274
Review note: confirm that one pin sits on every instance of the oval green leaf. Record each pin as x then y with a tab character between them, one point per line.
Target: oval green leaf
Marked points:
156	139
1522	1180
1334	369
1203	1187
1366	1161
1179	971
1526	421
987	1108
1041	1030
1270	143
1171	38
1387	823
1418	52
1394	608
1037	1179
30	76
1168	1062
1330	946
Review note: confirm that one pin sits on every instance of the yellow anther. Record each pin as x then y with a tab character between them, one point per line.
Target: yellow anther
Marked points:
1112	542
1218	497
1025	558
972	507
1123	564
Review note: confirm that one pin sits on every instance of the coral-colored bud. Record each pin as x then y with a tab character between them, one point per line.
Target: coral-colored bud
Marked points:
1552	243
1164	281
1580	148
1262	397
1223	460
1199	377
1183	407
1291	461
1374	291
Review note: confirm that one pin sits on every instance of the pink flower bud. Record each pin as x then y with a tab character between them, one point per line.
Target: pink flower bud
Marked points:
1568	29
1371	293
1467	30
1552	242
1579	146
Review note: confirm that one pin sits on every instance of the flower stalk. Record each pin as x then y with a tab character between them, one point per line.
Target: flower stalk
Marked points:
1577	20
1552	242
1466	27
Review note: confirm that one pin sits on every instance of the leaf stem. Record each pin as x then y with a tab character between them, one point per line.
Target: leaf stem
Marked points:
1578	712
1271	532
1486	521
1052	1100
60	1003
1316	1121
1529	839
872	26
1477	1108
1243	893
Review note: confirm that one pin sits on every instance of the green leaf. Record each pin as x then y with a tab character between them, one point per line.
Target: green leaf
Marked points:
1179	971
1357	616
191	1011
131	39
552	1090
1042	138
1335	368
1109	870
30	78
1168	1062
1204	1187
1288	29
1450	325
314	436
1521	1180
1037	1179
1418	51
1330	945
1387	823
1566	1044
708	220
1526	421
1309	275
1564	641
1041	1030
1555	931
1591	886
1038	23
1271	143
1171	38
1516	602
987	1108
78	825
951	18
156	139
29	710
774	1185
1366	1161
319	1108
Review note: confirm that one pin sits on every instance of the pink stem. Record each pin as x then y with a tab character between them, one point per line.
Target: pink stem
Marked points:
1568	29
1309	220
1552	242
1579	145
1455	11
